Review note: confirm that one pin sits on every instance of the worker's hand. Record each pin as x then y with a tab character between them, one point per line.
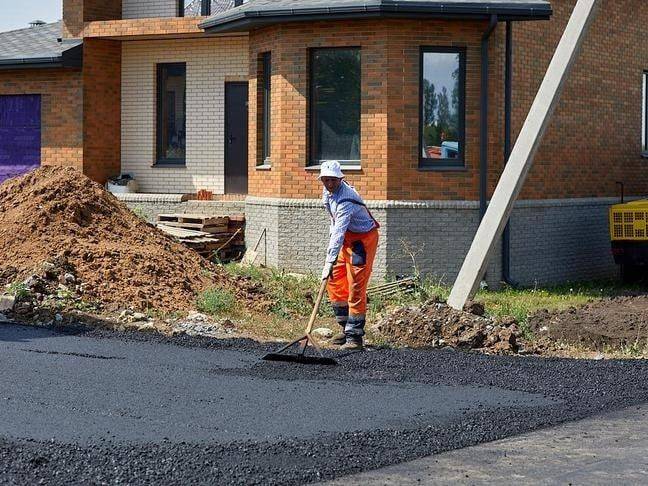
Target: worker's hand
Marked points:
327	270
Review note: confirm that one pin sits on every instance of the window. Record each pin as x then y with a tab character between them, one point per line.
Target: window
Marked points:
171	109
442	100
644	124
334	108
195	8
267	114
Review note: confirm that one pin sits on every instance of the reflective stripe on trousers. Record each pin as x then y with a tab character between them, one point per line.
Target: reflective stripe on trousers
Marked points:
350	277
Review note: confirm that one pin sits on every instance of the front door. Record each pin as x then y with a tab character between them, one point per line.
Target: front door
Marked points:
236	138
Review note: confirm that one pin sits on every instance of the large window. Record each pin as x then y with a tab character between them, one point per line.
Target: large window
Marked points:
334	108
267	118
644	125
442	97
171	109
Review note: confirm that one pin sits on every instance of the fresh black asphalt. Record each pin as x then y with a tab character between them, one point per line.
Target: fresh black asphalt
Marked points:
97	407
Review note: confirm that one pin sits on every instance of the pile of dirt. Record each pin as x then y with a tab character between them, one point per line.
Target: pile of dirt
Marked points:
435	324
614	322
109	255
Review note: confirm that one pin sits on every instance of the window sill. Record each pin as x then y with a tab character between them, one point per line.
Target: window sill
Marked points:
442	168
163	165
263	167
316	168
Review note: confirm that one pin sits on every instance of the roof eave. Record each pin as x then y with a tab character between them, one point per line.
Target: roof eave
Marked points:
245	20
31	63
71	58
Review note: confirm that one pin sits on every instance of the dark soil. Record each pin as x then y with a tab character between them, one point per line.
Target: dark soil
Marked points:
614	322
435	324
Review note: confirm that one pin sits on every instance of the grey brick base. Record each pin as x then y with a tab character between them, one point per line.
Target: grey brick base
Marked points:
552	241
555	241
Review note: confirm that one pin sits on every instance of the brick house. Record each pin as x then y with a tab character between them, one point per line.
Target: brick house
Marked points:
251	98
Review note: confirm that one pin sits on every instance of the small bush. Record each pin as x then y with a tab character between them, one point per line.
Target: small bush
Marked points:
216	302
19	290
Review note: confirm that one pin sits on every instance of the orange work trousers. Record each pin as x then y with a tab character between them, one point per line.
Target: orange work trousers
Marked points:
351	272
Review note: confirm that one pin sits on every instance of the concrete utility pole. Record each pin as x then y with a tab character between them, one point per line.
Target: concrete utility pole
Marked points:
521	159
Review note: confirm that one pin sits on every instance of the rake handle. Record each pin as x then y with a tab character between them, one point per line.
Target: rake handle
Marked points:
316	307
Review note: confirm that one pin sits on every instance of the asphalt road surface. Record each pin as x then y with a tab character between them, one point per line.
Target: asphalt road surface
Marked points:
96	407
605	449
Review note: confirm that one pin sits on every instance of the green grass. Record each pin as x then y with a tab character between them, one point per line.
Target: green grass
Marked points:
19	290
293	296
216	302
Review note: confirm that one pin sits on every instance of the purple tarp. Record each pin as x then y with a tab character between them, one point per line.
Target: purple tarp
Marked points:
20	134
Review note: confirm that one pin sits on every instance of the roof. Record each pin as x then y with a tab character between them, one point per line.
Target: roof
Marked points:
38	46
258	13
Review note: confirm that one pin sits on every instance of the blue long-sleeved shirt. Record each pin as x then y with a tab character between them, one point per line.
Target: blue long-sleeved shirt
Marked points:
345	216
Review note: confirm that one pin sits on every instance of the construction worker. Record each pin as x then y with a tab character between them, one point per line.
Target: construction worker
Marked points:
349	256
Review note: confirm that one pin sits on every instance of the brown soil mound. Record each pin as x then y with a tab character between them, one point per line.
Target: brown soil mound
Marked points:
435	324
610	322
121	260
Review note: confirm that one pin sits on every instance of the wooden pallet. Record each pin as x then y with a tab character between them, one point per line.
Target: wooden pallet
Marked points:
208	224
194	219
211	236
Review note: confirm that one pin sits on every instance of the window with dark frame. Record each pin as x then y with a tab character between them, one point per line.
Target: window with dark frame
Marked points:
334	105
196	8
644	124
442	94
267	107
171	113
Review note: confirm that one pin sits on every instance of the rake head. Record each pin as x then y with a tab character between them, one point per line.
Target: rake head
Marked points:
300	356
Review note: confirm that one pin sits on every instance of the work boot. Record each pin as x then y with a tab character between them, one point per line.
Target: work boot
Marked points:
338	339
353	345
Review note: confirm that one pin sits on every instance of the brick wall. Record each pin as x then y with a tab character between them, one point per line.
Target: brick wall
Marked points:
138	9
124	29
389	107
101	106
61	110
595	136
210	63
593	140
77	12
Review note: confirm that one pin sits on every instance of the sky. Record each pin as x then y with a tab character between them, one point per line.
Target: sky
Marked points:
17	14
438	69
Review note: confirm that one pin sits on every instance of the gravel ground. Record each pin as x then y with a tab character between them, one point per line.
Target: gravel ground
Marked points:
459	399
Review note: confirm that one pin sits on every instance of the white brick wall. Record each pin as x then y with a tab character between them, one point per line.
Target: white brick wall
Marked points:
210	62
139	9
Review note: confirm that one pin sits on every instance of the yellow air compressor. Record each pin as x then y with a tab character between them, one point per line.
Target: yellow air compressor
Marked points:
629	236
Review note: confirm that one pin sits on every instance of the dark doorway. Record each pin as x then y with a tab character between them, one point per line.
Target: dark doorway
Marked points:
236	138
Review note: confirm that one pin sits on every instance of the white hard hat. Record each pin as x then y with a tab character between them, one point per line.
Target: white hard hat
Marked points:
331	168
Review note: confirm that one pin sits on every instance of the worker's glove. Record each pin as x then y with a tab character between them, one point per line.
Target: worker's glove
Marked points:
327	270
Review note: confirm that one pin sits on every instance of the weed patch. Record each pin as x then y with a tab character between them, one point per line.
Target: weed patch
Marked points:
216	302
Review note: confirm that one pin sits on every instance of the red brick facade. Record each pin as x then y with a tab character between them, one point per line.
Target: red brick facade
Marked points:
101	108
593	141
77	12
158	27
61	110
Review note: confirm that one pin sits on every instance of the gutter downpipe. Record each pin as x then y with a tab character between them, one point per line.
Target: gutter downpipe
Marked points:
508	101
483	142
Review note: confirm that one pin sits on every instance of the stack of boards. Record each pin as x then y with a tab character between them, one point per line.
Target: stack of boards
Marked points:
221	237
